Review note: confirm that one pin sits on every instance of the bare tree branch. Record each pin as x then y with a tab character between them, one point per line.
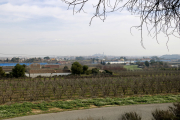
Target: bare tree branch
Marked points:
157	15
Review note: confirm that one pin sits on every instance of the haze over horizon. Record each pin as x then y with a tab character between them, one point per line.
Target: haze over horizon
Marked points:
46	27
95	55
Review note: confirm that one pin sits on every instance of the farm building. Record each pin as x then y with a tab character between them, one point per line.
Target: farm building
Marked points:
52	66
47	73
7	69
35	66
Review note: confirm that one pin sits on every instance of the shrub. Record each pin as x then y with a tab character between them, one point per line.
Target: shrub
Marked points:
9	75
65	68
162	115
109	72
172	114
146	63
88	72
95	71
130	116
176	110
85	68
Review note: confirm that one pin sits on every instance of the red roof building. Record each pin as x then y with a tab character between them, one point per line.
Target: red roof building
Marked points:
51	66
35	66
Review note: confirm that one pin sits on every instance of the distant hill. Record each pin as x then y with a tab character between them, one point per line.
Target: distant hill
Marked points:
173	56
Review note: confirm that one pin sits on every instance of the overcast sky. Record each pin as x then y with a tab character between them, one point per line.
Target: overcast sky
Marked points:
46	27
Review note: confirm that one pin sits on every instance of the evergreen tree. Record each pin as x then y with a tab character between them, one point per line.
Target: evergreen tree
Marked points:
18	71
76	68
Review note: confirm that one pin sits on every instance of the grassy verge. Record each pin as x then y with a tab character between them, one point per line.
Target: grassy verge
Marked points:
132	67
29	108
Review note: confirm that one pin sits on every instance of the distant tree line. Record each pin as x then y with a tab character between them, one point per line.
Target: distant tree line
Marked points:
153	64
78	69
47	58
79	58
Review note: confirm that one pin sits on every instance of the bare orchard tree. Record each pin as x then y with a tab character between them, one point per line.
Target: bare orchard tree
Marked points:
157	15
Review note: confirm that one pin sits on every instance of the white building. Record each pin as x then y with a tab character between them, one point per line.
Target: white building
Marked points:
119	62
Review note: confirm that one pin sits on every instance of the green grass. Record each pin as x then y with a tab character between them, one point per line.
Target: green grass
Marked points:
22	109
132	67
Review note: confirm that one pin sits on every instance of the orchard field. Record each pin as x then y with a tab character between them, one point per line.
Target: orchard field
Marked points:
126	83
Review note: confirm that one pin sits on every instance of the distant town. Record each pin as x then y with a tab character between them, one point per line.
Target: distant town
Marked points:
94	59
54	65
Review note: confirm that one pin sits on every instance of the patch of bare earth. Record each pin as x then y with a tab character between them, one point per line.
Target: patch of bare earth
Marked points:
93	106
55	109
110	105
36	111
